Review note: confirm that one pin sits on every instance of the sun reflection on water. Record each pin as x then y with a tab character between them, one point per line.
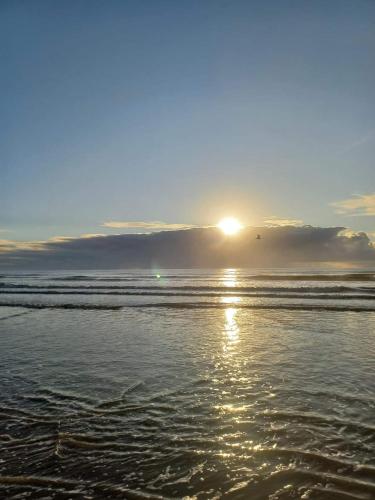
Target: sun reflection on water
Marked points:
230	300
230	278
230	378
231	326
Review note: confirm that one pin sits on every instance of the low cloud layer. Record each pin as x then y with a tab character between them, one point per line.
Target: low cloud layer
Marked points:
279	221
198	247
363	205
12	246
152	225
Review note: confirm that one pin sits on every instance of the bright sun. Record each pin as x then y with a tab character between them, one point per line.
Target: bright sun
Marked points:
230	225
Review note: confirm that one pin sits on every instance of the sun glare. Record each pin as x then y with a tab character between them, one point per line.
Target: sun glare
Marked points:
230	225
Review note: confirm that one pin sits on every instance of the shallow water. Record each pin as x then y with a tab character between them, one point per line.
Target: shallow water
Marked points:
195	384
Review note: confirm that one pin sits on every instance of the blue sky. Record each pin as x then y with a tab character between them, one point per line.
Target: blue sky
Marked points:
185	112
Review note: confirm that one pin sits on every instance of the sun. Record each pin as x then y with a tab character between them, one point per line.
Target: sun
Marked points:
230	225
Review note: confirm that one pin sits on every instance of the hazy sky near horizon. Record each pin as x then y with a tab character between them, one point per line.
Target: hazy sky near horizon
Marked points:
185	112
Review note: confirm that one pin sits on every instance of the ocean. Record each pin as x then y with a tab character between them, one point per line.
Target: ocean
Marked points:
194	384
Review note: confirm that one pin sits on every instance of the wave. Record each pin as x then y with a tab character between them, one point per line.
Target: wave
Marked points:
360	276
194	305
138	277
288	307
316	457
332	485
28	305
342	396
346	487
2	318
204	288
28	275
51	484
315	277
225	293
312	417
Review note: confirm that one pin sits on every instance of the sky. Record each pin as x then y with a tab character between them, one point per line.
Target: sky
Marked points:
183	112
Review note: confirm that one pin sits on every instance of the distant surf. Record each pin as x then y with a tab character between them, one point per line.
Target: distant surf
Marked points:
104	290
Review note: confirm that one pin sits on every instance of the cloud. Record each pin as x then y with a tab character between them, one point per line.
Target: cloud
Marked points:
362	205
92	235
7	246
193	248
146	225
280	221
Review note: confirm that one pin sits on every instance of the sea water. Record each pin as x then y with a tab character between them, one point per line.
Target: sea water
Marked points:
254	384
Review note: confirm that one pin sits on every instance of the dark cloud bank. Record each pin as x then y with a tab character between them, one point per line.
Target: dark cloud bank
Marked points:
199	247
